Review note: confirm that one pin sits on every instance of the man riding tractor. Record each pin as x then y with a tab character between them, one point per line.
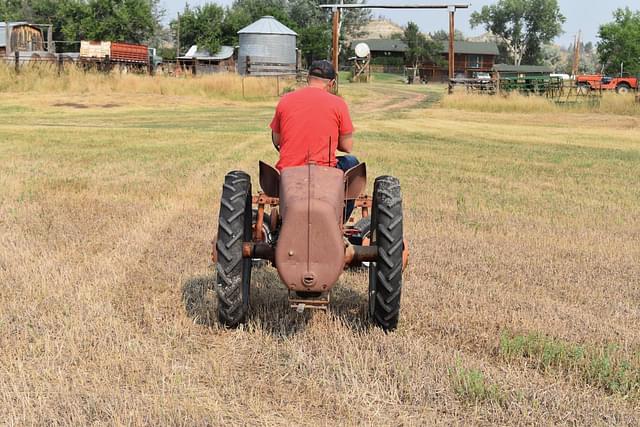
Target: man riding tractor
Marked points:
311	123
301	220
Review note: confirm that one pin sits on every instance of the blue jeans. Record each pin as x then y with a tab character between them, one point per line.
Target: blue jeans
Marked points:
345	163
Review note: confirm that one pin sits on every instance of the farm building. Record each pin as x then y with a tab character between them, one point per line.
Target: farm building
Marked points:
522	71
25	38
267	47
384	48
470	58
200	61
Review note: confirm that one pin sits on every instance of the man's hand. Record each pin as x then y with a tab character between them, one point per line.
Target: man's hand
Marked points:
345	143
275	138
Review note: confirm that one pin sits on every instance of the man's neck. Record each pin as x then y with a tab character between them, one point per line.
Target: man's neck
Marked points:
317	85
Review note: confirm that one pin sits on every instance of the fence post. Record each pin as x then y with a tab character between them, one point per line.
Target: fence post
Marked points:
247	65
60	65
17	62
277	85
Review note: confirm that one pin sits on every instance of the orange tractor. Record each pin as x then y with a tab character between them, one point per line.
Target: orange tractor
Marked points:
307	238
623	84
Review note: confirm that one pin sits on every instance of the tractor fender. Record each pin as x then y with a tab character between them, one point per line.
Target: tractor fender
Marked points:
310	250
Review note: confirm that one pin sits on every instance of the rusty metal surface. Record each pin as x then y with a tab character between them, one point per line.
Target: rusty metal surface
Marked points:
355	181
262	198
310	250
269	180
405	254
357	254
258	250
258	232
274	216
364	201
317	303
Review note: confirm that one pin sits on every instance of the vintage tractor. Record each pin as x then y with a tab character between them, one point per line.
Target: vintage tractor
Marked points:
306	236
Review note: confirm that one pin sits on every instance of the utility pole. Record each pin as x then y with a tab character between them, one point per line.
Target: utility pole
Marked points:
336	37
452	30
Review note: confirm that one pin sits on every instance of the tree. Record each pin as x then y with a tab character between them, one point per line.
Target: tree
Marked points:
135	21
244	12
443	36
620	42
201	26
120	20
522	25
419	48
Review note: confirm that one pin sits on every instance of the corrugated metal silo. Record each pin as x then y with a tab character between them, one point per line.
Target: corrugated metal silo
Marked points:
267	41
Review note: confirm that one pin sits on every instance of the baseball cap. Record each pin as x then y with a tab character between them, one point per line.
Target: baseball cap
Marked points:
322	69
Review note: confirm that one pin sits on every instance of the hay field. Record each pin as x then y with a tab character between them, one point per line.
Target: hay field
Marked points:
520	306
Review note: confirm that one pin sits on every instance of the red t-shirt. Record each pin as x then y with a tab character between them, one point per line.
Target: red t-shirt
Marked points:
310	121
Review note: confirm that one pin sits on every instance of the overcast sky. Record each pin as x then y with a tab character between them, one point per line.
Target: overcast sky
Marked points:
581	15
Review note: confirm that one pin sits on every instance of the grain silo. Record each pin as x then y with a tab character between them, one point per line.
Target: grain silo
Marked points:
269	48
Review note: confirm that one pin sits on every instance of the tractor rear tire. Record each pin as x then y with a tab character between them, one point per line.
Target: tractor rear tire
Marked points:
233	270
385	275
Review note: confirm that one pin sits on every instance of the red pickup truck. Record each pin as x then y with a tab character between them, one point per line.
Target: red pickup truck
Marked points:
624	84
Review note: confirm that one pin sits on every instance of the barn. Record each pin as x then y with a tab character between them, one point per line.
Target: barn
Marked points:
25	38
384	49
201	61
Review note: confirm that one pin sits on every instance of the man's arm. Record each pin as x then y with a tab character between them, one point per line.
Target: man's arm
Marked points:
275	138
345	143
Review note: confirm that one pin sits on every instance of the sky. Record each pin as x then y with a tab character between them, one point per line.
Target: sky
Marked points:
580	14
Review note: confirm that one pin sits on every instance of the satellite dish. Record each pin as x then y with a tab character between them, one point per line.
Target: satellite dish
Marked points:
362	50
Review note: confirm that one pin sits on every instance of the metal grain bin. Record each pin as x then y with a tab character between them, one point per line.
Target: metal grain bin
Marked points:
270	47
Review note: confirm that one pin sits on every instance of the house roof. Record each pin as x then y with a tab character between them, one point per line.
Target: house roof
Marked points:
225	52
507	68
383	45
267	25
472	48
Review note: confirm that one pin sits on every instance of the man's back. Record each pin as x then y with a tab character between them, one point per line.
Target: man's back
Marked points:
310	122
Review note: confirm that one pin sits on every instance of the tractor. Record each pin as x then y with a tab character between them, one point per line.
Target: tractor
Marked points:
297	224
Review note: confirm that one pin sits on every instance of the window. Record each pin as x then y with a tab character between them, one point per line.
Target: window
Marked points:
474	61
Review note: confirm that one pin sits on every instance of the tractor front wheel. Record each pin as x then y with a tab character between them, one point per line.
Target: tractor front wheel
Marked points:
623	89
385	275
234	228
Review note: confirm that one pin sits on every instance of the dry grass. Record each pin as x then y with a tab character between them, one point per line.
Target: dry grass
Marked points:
524	231
610	103
44	78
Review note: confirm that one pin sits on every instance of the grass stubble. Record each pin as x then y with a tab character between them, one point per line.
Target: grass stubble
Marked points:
520	305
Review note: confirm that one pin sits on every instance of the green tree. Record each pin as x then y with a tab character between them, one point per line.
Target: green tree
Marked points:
620	42
244	12
201	26
134	21
119	20
443	36
522	25
419	48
